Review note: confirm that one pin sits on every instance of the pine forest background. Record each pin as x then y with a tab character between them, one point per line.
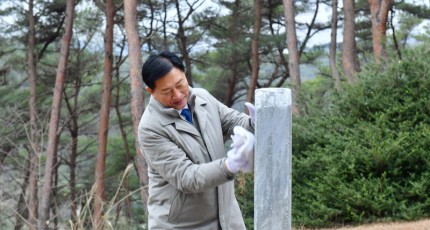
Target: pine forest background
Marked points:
71	97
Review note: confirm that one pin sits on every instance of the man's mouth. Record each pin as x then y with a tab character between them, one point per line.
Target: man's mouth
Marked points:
179	102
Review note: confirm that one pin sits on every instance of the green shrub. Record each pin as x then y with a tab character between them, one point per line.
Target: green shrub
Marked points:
365	158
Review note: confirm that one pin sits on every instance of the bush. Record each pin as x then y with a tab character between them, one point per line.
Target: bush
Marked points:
366	157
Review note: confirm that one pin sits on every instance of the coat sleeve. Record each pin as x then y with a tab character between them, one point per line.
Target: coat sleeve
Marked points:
230	118
171	162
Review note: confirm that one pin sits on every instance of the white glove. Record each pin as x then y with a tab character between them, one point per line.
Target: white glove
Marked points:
241	155
251	110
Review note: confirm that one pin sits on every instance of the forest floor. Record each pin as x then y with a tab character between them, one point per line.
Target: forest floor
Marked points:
415	225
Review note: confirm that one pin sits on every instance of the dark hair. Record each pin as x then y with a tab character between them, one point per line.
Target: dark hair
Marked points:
158	65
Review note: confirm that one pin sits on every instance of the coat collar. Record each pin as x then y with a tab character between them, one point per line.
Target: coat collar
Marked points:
171	116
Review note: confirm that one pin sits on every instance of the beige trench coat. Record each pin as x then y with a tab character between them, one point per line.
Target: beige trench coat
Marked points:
189	186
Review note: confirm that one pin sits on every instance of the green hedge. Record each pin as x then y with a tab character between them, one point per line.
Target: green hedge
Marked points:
364	157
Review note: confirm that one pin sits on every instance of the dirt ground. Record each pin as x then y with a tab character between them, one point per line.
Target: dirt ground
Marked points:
417	225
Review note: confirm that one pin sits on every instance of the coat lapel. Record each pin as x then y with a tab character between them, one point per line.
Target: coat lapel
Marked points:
201	113
182	125
170	116
203	118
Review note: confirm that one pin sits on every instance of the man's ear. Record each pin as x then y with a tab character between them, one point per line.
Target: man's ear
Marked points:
149	90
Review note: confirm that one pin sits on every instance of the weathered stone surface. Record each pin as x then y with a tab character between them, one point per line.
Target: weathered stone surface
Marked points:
272	160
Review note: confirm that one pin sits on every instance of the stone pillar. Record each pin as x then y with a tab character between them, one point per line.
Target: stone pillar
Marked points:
272	160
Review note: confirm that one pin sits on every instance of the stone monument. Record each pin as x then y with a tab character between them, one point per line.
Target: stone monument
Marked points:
272	159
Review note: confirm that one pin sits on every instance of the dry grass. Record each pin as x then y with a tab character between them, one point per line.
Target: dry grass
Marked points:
417	225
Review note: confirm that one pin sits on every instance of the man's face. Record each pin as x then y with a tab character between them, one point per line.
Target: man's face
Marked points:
171	90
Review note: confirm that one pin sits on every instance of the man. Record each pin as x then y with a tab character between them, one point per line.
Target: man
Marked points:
181	137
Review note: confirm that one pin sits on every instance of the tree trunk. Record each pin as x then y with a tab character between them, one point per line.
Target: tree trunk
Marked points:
54	206
123	131
233	63
293	54
231	85
311	26
182	42
165	41
254	50
284	63
51	153
393	30
333	45
280	47
136	87
73	127
73	154
74	133
21	209
349	47
99	193
34	138
379	14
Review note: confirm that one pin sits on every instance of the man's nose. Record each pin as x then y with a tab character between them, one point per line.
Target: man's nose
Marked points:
176	94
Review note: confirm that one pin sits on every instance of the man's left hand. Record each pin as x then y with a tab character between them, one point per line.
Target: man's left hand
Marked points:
251	109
